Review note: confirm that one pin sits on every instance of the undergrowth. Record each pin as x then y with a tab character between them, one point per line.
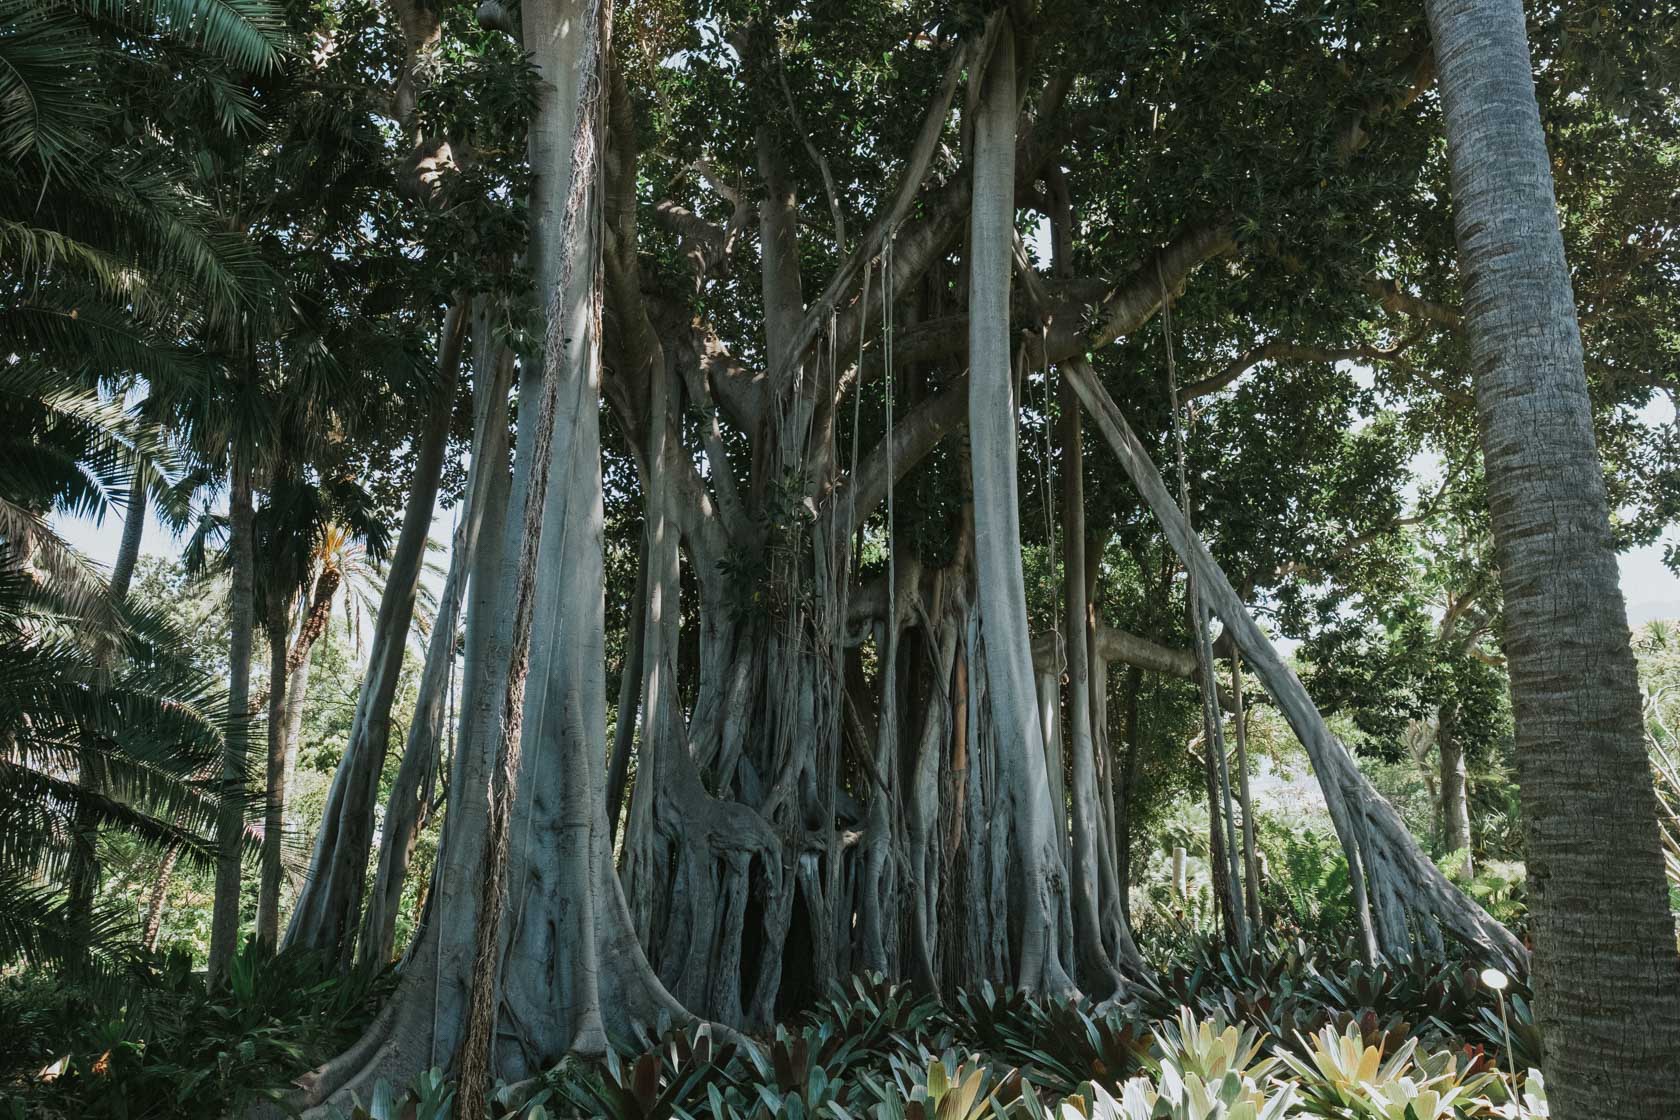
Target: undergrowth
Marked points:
1283	1031
161	1045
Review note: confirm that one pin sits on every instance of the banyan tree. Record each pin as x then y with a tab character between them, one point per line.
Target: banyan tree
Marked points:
837	742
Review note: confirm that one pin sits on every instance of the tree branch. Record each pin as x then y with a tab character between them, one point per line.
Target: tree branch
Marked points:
1288	351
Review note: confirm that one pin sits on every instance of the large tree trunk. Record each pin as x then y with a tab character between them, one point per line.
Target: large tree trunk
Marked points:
1091	837
527	950
327	909
230	821
997	533
1606	971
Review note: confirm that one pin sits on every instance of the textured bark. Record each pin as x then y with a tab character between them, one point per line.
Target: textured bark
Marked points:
1222	853
297	697
128	548
629	704
1250	848
156	897
997	534
528	951
325	916
1606	970
230	822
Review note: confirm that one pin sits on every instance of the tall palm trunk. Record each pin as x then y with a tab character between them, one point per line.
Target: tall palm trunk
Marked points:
230	822
274	774
997	529
1606	971
128	550
84	867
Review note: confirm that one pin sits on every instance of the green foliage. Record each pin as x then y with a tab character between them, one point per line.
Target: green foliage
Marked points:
167	1048
1281	1032
107	728
1344	1075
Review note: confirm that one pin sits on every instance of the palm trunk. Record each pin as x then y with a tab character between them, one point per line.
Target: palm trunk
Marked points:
158	895
310	629
297	697
230	822
128	549
997	532
326	914
1606	970
274	789
84	865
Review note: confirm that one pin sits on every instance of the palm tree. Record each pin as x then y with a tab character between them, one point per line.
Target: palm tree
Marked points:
144	727
112	252
1606	970
103	724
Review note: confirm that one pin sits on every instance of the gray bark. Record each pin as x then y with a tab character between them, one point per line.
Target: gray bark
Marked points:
409	803
629	703
997	534
1606	969
1455	795
128	549
528	950
1097	972
1250	849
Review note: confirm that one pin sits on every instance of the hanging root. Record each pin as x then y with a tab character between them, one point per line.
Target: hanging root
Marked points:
1402	879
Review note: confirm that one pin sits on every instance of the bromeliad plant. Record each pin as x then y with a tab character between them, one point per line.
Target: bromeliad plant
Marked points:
1342	1075
1210	1049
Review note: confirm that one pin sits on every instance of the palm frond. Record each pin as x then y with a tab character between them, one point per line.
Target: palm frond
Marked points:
49	106
246	34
